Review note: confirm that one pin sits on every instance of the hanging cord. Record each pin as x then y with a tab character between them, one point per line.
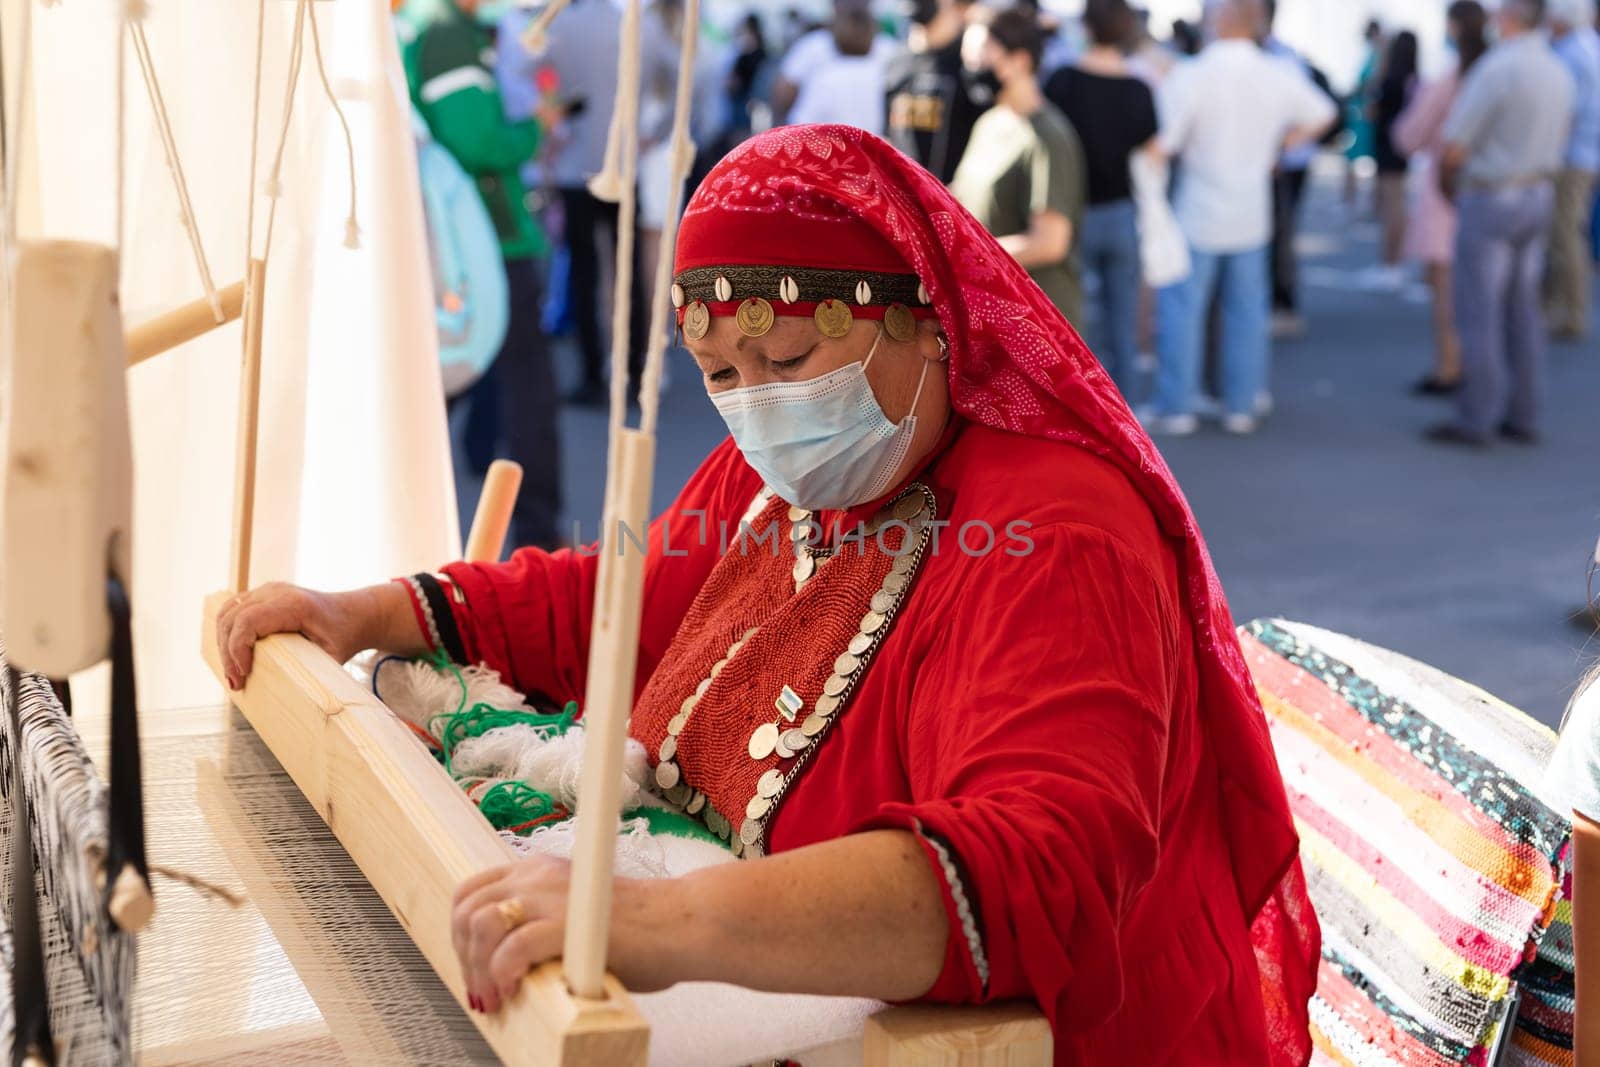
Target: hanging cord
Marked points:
169	145
625	132
352	232
255	140
533	38
274	187
13	149
680	159
15	127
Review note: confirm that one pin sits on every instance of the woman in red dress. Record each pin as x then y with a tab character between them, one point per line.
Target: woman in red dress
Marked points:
965	695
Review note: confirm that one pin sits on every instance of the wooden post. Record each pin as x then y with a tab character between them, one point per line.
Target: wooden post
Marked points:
68	476
492	518
608	700
416	836
244	471
173	328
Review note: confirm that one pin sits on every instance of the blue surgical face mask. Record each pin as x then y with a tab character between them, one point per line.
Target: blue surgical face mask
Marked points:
823	443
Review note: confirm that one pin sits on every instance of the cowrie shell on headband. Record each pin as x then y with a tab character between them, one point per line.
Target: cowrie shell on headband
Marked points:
922	294
724	288
863	293
677	295
788	290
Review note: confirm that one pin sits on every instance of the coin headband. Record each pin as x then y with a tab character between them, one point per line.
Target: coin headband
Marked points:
755	295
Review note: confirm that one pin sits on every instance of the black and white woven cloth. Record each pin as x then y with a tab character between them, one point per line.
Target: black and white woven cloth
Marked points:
89	965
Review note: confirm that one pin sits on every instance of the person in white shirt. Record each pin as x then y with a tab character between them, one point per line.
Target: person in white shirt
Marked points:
1226	116
836	74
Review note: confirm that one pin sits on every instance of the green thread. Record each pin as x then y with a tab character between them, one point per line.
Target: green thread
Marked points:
513	803
674	824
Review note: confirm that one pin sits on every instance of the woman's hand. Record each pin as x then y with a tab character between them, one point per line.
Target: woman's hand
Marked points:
508	920
341	624
861	916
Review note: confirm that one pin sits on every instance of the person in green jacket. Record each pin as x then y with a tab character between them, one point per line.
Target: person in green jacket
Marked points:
447	57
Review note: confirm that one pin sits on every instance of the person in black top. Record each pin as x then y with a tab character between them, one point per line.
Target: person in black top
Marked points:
1114	114
933	99
1395	84
746	67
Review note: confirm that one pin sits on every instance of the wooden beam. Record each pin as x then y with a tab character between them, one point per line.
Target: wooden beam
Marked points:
415	836
244	470
68	468
924	1035
608	700
194	319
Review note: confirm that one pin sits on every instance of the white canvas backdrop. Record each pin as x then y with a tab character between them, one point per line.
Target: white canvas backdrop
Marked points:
354	479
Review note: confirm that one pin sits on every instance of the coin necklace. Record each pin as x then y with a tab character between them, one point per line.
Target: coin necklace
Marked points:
669	776
916	511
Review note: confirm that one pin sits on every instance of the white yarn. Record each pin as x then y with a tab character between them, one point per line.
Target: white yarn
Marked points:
419	694
640	854
553	766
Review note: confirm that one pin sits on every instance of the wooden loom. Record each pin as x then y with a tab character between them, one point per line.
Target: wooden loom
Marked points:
406	824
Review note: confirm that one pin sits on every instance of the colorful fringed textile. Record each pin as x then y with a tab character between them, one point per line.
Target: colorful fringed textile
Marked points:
89	965
1435	866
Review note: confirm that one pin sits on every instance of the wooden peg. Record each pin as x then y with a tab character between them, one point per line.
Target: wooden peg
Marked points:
131	901
492	518
181	324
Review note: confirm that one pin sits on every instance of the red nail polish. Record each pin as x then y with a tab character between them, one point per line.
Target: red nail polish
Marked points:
473	1002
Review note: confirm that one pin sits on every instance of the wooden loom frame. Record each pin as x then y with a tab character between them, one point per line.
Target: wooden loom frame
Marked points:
413	831
415	835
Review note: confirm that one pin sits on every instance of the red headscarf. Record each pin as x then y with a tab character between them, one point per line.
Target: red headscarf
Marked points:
799	196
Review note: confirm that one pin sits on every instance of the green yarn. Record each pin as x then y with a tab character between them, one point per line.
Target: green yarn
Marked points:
674	824
509	803
479	719
512	803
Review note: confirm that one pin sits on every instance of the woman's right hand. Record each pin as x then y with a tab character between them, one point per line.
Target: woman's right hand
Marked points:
341	624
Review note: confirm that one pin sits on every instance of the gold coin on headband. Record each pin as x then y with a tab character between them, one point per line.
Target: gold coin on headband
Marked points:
833	318
696	320
899	323
755	317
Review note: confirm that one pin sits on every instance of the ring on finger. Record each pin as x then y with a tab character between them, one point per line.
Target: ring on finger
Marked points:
511	911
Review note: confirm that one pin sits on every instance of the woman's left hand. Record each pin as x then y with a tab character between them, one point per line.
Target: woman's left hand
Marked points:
508	920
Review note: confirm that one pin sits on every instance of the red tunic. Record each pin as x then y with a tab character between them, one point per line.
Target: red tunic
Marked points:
1032	716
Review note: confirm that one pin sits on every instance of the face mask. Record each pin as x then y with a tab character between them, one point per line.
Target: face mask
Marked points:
822	443
987	82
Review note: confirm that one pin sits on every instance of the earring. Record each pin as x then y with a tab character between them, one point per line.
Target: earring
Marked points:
944	346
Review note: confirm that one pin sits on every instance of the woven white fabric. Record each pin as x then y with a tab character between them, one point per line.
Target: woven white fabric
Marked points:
88	964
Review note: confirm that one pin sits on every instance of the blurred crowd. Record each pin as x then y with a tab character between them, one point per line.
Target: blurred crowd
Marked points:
1152	188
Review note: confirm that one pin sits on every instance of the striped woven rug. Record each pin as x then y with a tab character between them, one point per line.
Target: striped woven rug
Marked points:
1436	868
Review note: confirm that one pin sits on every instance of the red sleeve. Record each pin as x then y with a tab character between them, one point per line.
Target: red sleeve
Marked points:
529	617
1036	747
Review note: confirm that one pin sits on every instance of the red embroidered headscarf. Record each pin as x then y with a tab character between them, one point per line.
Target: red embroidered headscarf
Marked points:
835	198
